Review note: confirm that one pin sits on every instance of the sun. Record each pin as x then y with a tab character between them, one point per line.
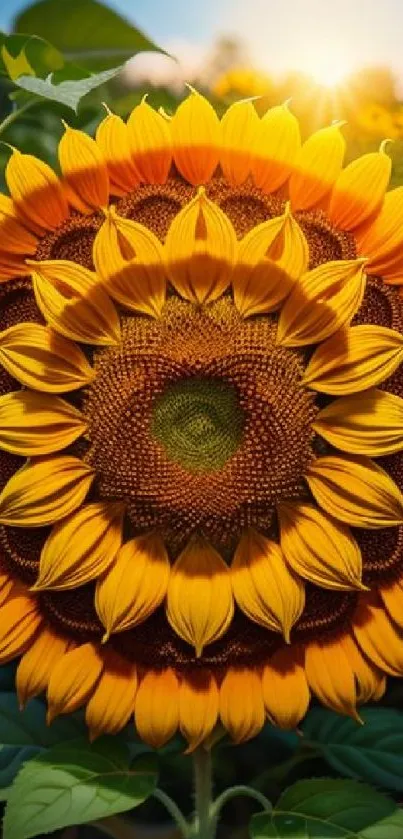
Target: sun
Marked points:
328	66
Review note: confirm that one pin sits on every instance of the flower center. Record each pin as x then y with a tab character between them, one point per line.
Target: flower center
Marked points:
199	422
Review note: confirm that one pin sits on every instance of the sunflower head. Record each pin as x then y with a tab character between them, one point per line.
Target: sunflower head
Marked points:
201	423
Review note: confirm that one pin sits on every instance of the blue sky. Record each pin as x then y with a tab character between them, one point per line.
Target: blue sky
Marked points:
325	37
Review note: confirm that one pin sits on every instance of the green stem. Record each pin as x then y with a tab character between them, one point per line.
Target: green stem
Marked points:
173	811
16	114
233	792
202	827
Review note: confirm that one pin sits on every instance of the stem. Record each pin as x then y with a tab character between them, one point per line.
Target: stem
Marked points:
16	114
202	767
173	811
233	792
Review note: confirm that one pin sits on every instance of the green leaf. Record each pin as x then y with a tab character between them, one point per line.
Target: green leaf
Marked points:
74	784
372	752
69	92
85	31
29	728
330	809
35	52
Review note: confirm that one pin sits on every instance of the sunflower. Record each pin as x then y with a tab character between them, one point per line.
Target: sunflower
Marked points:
242	81
201	423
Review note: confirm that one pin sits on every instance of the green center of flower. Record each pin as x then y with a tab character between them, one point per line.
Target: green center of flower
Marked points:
199	422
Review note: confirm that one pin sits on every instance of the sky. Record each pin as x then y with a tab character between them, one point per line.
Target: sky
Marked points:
327	38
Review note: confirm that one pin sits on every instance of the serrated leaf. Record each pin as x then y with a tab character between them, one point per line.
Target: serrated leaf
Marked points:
372	752
11	760
29	728
74	784
329	809
85	31
69	92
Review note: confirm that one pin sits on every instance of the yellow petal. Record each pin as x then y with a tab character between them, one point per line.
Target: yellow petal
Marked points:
370	682
84	169
277	145
40	358
317	167
157	707
323	301
112	703
73	680
356	491
285	689
129	260
81	547
36	665
200	250
36	424
379	238
380	640
45	491
241	704
6	587
392	596
360	189
196	136
20	620
354	359
271	257
36	191
134	586
264	587
239	126
370	423
14	237
330	676
318	548
198	706
112	137
151	144
199	601
74	303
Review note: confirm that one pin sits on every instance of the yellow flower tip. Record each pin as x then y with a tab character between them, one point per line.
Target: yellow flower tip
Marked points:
144	99
384	144
107	109
65	125
105	637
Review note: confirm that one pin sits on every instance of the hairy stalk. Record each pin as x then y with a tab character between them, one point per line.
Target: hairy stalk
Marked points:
16	115
202	827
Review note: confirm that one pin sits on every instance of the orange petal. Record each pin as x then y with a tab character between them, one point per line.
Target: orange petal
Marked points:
36	665
84	169
112	702
370	682
276	147
360	189
73	680
379	238
324	300
74	302
151	144
264	587
112	137
81	547
199	601
157	707
196	136
14	237
45	491
200	250
317	167
198	707
37	424
129	260
330	676
11	266
319	548
40	358
239	126
285	688
380	640
134	586
392	596
241	704
20	620
36	191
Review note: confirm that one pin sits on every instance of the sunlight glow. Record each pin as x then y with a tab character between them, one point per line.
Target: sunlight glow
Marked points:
328	66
